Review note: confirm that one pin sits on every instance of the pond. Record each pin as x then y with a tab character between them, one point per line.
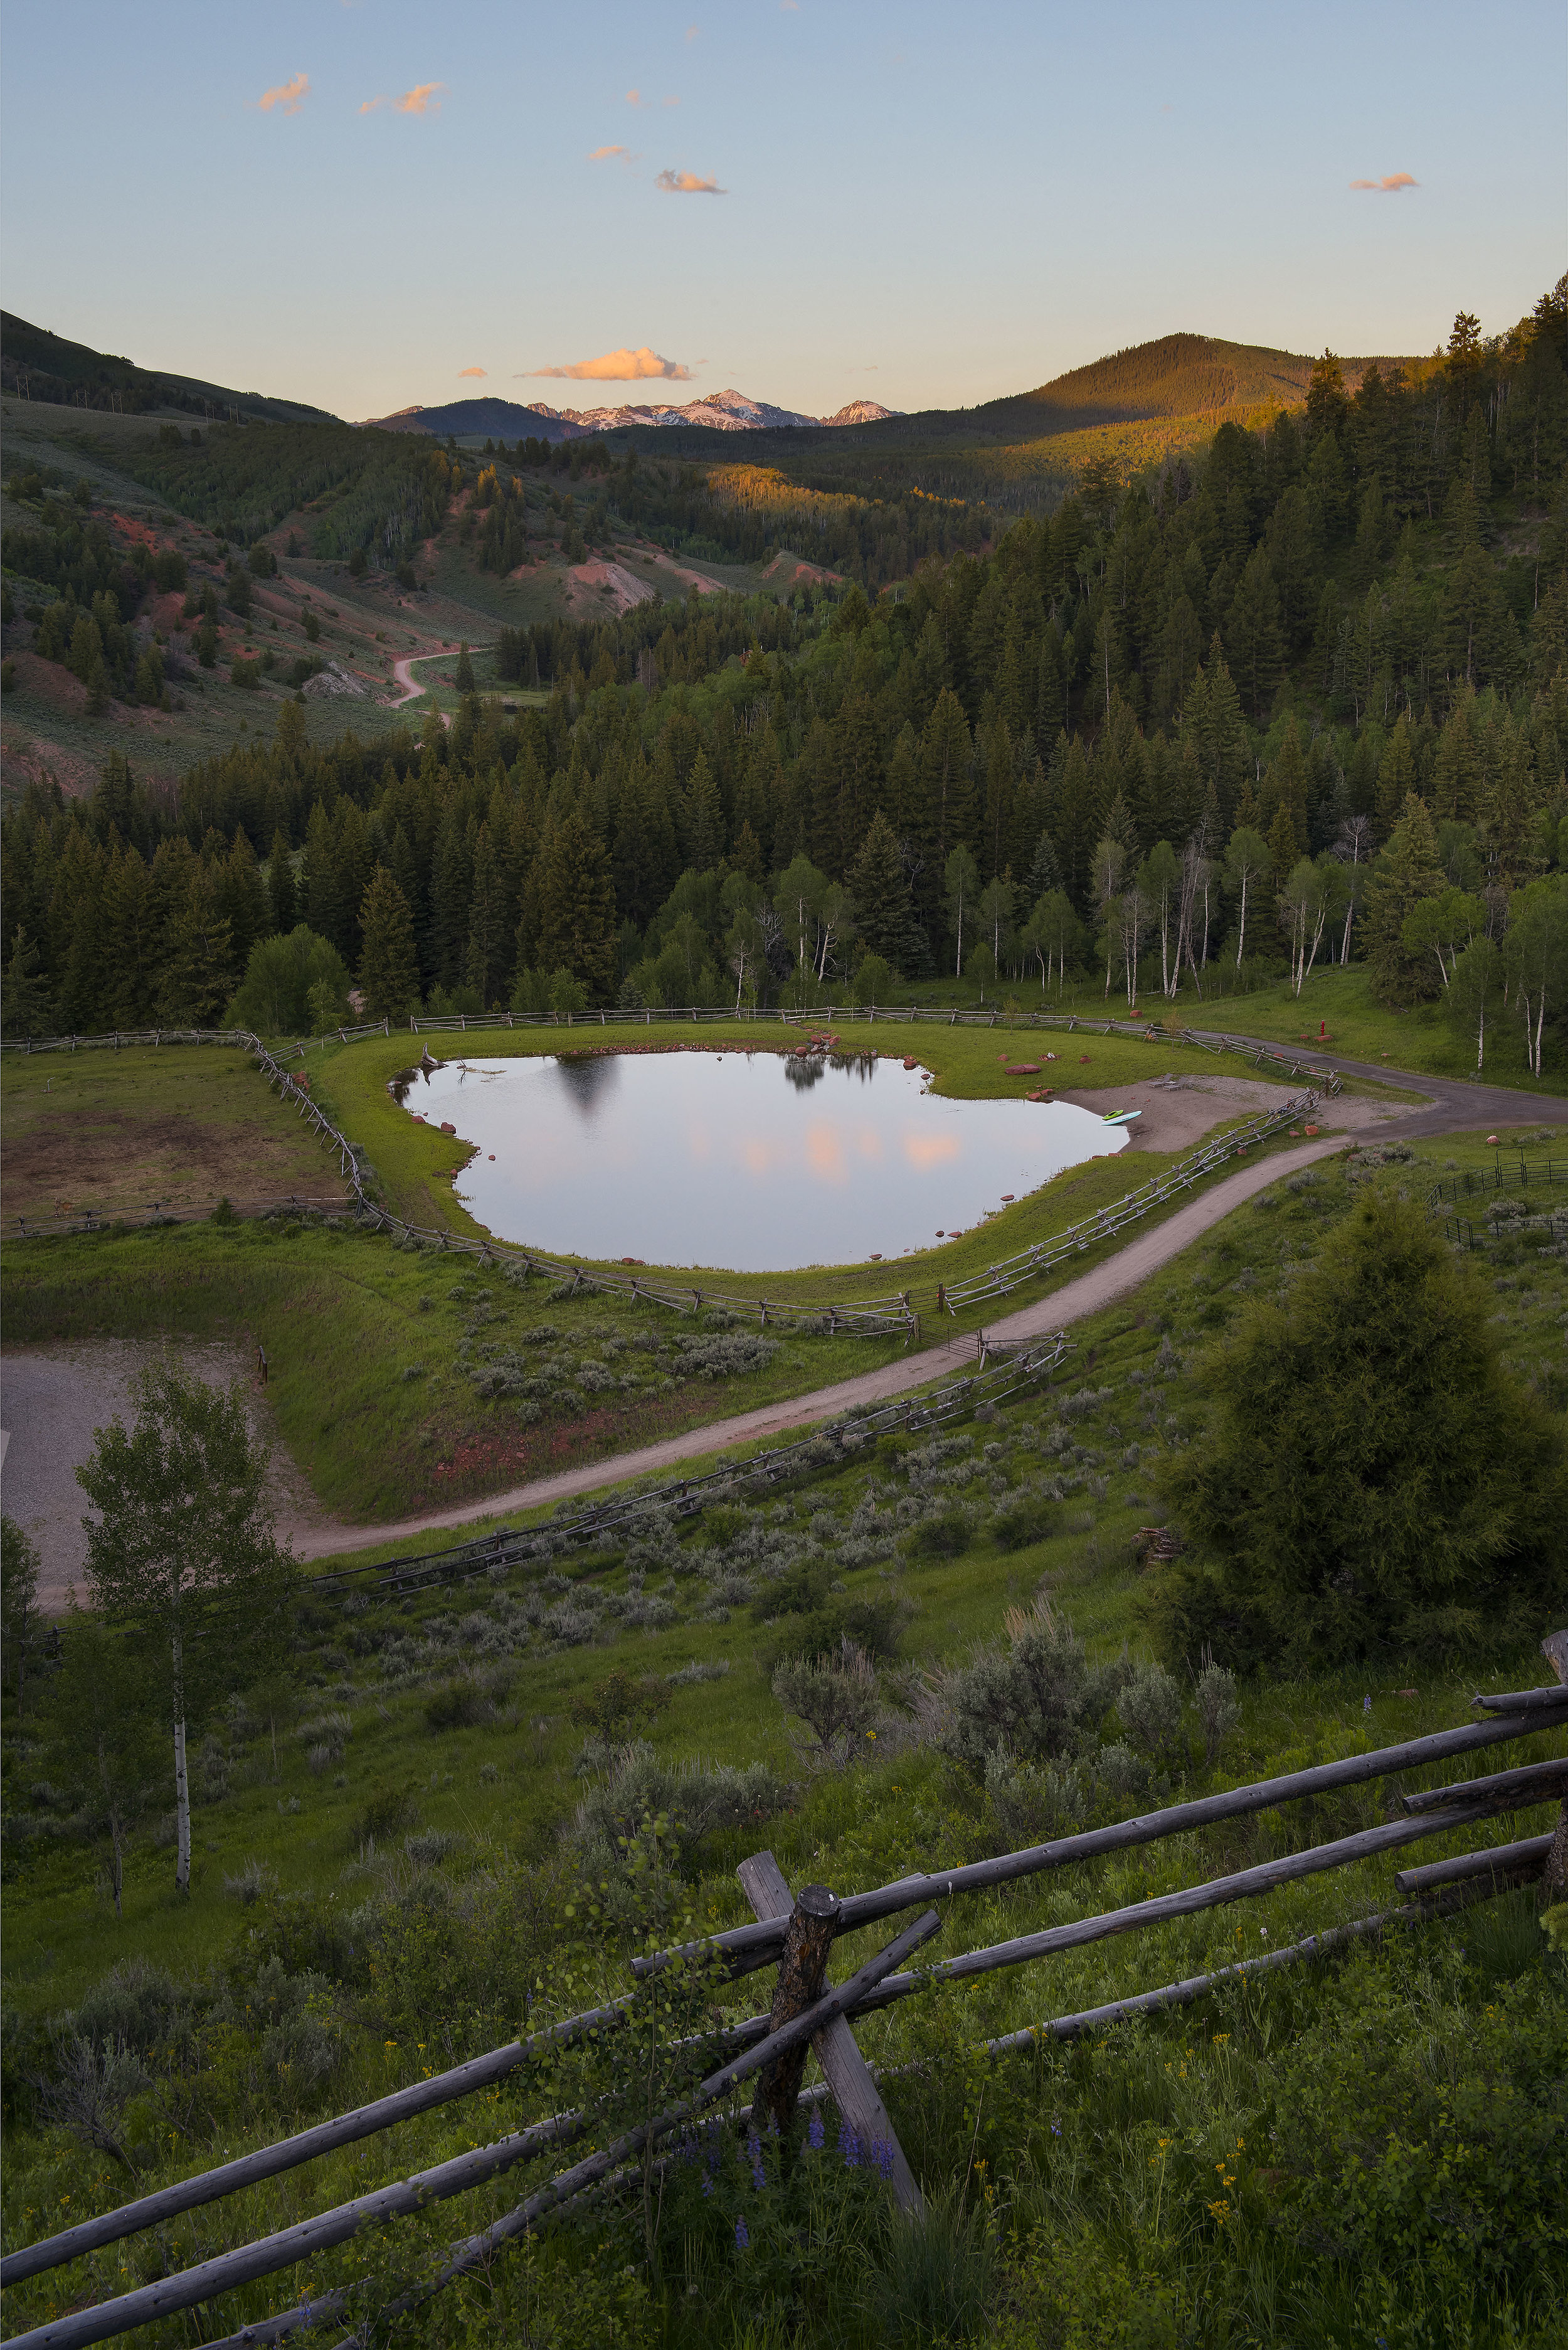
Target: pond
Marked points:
753	1162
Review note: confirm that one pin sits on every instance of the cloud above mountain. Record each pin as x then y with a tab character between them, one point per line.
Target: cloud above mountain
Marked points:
620	367
1394	184
688	184
462	371
287	97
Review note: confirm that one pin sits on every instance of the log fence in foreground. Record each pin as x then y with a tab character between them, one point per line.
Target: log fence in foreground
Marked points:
806	2011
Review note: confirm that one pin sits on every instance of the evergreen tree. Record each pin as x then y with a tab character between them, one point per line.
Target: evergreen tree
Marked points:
464	679
576	925
1407	871
1396	777
26	1004
1372	1483
704	819
1254	639
283	902
882	909
388	965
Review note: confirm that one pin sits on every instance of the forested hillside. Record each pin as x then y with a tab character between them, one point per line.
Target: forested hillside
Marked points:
1304	695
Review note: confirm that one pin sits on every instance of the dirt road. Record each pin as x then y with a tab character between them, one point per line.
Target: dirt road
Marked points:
1441	1106
1100	1287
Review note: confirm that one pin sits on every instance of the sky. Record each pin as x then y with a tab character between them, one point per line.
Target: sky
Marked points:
368	203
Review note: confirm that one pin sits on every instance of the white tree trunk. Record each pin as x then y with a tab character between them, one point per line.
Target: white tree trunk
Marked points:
182	1811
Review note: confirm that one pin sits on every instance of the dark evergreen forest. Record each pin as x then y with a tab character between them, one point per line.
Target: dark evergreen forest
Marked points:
1304	696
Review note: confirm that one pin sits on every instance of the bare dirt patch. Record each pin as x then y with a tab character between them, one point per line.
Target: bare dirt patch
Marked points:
605	586
1175	1113
53	1402
790	569
111	1160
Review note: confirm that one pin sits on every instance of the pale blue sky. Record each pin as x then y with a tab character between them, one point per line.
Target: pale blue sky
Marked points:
922	206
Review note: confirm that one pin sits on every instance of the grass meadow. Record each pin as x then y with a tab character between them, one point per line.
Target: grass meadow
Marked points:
420	1836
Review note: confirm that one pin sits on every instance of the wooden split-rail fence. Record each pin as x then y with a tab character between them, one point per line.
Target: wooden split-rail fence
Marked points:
893	1315
1019	1370
796	1933
1323	1080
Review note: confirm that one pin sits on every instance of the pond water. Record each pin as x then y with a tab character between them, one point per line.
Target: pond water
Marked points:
747	1161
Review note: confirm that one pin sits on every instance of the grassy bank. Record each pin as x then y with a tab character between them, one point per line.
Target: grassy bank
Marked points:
1348	2121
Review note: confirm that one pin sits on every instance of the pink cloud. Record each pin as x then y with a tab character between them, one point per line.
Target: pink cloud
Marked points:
601	154
687	183
1392	186
634	97
462	371
621	367
370	104
287	97
422	99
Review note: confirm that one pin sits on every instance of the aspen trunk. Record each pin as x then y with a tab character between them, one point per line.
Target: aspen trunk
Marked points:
182	1812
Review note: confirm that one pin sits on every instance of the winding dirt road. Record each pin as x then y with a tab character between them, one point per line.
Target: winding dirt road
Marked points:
1092	1290
1447	1106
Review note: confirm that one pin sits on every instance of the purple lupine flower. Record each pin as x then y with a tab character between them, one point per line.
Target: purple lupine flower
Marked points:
882	2155
850	2142
755	2156
743	2241
707	2187
815	2135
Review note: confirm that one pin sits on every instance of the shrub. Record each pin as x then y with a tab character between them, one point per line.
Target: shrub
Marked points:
387	1810
837	1699
941	1537
618	1701
1030	1521
1372	1481
1040	1696
1150	1706
253	1881
464	1703
688	1797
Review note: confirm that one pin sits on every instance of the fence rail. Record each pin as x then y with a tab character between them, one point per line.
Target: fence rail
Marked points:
893	1315
761	2041
1324	1080
684	1496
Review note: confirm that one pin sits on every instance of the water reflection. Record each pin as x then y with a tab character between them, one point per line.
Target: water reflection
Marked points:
697	1159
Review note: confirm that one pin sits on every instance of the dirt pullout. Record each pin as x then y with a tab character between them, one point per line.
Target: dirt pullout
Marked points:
606	586
1175	1113
112	1161
53	1400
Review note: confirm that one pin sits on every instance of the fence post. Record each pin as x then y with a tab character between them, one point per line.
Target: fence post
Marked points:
1554	1876
803	1969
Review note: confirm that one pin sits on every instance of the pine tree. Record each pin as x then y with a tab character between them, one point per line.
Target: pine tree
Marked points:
881	899
281	899
1396	777
945	755
464	679
577	915
388	965
1373	1482
703	829
1407	871
1253	642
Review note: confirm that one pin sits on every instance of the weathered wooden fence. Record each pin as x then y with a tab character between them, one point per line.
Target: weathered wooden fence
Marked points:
798	1934
1019	1370
895	1314
1295	1064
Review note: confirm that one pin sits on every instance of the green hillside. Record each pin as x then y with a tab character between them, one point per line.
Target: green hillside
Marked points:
46	366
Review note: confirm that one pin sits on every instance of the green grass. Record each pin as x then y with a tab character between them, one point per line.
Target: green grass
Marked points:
370	1388
1361	1029
1092	2168
1060	2155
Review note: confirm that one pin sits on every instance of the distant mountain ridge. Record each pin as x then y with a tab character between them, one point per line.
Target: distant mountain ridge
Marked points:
1176	375
719	411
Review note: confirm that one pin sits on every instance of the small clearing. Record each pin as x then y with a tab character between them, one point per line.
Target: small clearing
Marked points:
1175	1113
